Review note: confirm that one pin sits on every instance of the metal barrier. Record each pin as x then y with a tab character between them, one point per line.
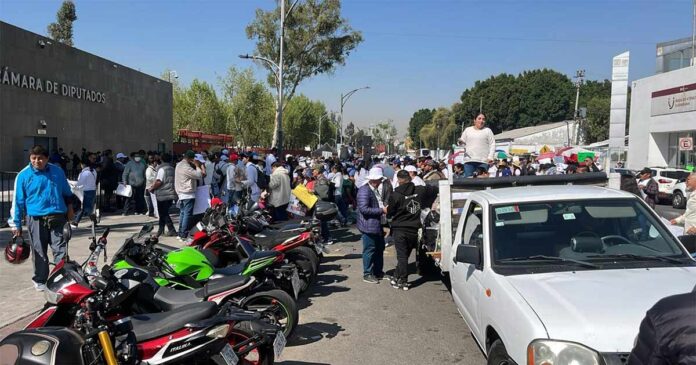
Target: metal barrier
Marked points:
7	179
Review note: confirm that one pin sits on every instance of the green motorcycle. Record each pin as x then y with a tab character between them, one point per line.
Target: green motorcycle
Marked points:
186	273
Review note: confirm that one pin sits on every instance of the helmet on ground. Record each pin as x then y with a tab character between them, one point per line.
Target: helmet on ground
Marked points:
17	250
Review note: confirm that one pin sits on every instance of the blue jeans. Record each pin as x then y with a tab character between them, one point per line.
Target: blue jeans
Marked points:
233	202
325	232
186	211
342	209
373	254
470	167
87	205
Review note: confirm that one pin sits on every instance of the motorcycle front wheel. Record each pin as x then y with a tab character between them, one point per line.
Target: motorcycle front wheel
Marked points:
276	306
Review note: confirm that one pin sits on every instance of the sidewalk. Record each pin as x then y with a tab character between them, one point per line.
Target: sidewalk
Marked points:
17	295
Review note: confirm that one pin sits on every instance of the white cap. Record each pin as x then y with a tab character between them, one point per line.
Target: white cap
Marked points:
225	151
120	155
199	158
410	168
224	158
375	174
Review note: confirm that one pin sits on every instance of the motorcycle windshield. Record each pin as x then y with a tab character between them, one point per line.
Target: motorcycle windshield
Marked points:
131	241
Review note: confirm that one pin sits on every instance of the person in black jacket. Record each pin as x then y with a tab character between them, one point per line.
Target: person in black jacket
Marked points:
404	208
668	333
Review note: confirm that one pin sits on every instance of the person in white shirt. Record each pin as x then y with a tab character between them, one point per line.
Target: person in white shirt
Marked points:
87	182
688	219
360	175
396	165
251	179
270	160
150	177
209	166
479	143
235	175
415	179
337	180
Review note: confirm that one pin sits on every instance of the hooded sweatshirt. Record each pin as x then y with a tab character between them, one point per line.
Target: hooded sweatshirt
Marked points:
405	207
279	185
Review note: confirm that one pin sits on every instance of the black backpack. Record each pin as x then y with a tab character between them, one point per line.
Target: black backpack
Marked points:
262	179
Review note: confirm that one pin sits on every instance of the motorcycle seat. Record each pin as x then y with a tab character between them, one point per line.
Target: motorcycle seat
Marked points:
152	325
169	299
229	271
269	238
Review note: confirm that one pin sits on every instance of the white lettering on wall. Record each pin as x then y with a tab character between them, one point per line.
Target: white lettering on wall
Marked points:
17	79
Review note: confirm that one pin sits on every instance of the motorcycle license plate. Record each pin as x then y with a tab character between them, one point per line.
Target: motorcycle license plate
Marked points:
229	356
296	283
279	344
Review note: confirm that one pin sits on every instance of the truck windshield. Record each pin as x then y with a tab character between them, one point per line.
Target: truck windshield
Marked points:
600	233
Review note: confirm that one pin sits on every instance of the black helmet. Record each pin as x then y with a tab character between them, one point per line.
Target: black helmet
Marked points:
17	252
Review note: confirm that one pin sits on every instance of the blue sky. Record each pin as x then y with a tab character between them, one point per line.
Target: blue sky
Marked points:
416	53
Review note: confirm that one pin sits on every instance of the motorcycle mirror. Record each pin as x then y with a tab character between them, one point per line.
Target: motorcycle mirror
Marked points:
100	283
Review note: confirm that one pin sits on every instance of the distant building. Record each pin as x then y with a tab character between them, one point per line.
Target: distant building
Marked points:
533	139
61	97
674	55
662	125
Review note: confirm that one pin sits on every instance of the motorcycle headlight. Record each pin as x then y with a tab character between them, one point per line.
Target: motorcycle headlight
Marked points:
551	352
52	297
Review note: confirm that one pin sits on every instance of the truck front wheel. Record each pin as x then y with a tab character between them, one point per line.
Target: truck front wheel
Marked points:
497	355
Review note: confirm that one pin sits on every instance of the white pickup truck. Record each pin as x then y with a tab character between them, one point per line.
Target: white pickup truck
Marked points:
557	274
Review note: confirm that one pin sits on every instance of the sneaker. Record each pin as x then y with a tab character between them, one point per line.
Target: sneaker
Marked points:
405	285
73	225
395	284
39	286
329	242
370	279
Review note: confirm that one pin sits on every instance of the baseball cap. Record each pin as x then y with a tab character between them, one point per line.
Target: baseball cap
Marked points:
120	155
198	157
234	157
645	170
224	158
225	151
410	168
189	154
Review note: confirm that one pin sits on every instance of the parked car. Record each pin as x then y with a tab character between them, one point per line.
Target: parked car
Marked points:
680	195
561	274
666	179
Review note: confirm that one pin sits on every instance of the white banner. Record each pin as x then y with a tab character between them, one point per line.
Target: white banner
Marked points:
678	99
617	113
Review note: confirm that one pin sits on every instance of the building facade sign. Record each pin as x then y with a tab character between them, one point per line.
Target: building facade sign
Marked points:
678	99
16	79
686	144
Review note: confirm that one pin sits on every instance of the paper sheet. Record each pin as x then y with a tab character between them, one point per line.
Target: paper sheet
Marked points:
676	230
202	201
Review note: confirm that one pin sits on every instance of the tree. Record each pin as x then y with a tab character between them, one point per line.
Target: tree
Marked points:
62	30
317	40
302	123
197	108
418	120
248	107
437	133
596	127
350	131
384	133
546	96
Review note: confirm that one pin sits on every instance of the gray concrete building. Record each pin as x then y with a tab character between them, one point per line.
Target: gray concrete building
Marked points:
59	96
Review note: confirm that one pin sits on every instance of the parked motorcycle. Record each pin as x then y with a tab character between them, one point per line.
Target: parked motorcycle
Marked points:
102	329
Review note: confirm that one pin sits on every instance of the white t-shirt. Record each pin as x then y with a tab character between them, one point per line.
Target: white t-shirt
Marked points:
87	180
417	181
337	180
479	144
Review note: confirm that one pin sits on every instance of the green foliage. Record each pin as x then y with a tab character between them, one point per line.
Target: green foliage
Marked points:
301	123
62	29
317	40
418	120
248	107
349	132
198	108
440	129
597	125
384	133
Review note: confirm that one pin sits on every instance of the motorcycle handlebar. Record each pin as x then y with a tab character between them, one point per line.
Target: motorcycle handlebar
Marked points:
106	233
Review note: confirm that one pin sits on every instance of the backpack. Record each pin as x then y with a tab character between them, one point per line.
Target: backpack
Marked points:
262	179
323	189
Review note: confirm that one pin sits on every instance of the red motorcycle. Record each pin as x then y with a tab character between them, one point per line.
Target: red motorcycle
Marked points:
91	303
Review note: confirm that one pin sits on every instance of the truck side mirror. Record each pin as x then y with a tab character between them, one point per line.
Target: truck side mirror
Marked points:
689	242
468	254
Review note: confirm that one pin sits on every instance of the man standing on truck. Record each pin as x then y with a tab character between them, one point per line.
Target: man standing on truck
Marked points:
404	208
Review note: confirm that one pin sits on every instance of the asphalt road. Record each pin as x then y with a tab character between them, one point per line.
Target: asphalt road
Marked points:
342	319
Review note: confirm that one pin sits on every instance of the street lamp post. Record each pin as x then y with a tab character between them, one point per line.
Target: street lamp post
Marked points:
344	100
278	74
170	74
319	135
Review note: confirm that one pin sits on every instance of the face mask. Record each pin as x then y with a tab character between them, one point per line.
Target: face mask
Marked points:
137	159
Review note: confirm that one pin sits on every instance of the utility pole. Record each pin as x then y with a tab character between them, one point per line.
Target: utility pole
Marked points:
481	105
579	78
344	100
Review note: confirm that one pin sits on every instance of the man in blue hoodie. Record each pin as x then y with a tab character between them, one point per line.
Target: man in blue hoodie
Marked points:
42	193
